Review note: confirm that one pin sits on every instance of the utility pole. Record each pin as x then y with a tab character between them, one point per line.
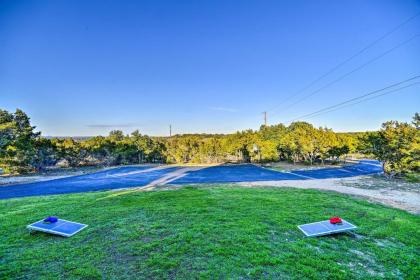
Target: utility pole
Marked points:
265	118
170	130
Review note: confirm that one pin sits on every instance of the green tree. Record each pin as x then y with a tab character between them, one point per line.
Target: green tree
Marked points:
396	144
45	154
300	142
326	142
17	141
68	150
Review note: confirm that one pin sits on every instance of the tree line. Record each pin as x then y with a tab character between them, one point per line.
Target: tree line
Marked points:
22	149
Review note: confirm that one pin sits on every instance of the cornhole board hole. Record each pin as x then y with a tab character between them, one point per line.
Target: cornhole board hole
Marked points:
61	227
325	228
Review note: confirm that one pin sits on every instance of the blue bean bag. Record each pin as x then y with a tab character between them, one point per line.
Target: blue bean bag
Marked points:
51	219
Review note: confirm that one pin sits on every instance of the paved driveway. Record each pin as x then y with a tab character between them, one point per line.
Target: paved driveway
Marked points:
138	176
116	178
250	173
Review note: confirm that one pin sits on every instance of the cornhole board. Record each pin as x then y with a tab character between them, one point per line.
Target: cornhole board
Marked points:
325	228
61	227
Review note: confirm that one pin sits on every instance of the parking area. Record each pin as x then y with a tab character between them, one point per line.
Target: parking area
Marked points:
253	173
140	176
116	178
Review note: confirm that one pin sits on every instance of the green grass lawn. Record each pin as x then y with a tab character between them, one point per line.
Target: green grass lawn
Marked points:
210	232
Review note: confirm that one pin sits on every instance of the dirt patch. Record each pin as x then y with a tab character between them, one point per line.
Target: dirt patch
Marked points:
379	182
407	198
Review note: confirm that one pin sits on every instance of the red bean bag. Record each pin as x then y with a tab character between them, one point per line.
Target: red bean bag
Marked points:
335	220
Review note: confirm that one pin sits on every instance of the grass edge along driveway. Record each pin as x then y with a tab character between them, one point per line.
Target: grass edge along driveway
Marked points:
210	232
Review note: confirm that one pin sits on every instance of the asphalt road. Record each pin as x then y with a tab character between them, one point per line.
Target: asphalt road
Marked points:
140	176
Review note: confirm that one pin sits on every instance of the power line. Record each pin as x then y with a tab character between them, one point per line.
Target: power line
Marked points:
352	71
363	97
370	45
367	99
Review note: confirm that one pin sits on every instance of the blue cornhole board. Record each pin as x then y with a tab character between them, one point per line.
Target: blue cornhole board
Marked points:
325	228
61	227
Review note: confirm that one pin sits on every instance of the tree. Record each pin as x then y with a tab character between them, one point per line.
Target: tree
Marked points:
6	132
396	145
300	142
98	150
327	141
22	149
69	150
45	154
116	135
145	146
17	141
346	143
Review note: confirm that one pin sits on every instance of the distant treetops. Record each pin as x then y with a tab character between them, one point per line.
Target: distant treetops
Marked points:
23	150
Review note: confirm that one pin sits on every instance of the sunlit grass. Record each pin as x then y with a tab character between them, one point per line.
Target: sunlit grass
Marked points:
214	232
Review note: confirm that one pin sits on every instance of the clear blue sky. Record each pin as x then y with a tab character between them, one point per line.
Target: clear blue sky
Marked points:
87	67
